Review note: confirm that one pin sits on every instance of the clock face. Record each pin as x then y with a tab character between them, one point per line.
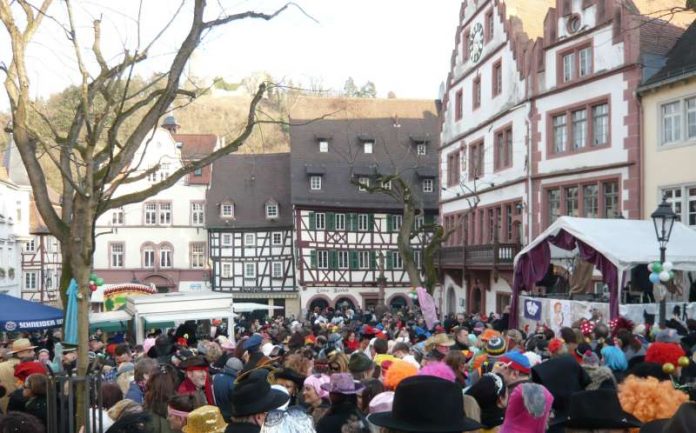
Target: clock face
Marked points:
476	42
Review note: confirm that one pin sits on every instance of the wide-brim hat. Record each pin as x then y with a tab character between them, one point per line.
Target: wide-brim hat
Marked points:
289	374
343	383
253	394
205	419
20	345
597	409
426	404
683	421
197	362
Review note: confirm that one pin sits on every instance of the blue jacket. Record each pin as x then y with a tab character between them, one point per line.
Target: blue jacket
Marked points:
223	384
135	393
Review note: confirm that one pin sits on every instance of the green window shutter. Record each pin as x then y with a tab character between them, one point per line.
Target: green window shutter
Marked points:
352	222
373	260
333	259
371	222
390	223
313	259
390	260
330	221
429	219
312	221
354	261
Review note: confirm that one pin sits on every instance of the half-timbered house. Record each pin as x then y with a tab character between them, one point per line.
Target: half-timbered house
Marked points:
541	119
346	236
250	232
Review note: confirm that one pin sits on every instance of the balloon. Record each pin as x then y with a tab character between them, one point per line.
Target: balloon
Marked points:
92	287
650	267
657	267
664	276
99	281
671	275
683	361
92	276
654	278
91	282
668	368
667	266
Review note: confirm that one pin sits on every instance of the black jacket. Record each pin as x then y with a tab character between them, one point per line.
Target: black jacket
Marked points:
338	415
242	427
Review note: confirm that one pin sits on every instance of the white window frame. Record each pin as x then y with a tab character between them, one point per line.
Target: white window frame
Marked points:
227	210
421	149
585	62
363	222
418	223
117	258
387	184
226	270
368	147
397	222
197	255
322	259
226	239
323	146
568	61
149	257
249	240
363	259
249	270
30	280
682	204
118	217
340	221
272	210
197	213
315	183
684	129
30	246
343	259
428	185
277	270
363	183
166	257
150	210
397	260
676	120
279	235
320	221
165	213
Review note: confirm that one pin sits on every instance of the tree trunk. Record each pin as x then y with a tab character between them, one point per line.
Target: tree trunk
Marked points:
404	242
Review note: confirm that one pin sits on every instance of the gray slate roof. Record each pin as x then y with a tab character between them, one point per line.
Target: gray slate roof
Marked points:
681	59
249	181
394	151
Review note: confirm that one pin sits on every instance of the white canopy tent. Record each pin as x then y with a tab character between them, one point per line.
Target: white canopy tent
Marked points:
623	243
246	307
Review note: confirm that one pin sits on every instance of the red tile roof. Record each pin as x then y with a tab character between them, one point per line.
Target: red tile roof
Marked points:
194	147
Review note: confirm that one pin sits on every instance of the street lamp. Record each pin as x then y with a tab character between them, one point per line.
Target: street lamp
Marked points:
663	219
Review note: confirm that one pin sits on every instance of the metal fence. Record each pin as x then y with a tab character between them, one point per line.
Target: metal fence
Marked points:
62	407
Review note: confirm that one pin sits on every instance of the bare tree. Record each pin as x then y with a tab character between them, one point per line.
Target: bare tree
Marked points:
95	153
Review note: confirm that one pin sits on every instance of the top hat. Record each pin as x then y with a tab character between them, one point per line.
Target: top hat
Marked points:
682	421
426	404
597	409
253	394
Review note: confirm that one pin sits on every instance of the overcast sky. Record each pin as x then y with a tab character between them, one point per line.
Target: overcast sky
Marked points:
402	46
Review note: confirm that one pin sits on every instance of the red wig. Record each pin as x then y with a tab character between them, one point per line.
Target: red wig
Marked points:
662	353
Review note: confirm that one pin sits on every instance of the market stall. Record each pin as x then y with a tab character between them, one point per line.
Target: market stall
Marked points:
612	246
20	315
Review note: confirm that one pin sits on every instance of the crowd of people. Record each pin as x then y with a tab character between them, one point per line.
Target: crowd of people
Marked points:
349	372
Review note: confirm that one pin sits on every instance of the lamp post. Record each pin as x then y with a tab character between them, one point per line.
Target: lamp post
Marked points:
663	219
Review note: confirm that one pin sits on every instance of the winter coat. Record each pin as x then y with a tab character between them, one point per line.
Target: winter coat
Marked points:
135	393
223	384
338	416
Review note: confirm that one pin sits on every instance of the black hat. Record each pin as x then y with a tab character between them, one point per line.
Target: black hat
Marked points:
682	422
359	362
197	362
597	409
426	404
486	393
289	374
562	376
254	395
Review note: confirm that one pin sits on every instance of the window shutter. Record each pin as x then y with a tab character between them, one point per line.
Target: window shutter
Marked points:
330	221
333	259
429	219
371	222
354	261
312	221
352	222
373	260
390	223
390	260
313	259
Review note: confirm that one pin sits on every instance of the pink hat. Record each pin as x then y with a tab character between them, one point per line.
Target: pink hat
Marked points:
528	409
316	381
438	369
148	343
382	402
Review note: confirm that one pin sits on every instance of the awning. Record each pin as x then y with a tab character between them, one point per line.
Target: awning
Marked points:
245	307
109	321
20	315
315	169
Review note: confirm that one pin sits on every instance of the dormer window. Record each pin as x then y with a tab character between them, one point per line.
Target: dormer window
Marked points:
227	210
421	149
315	183
323	146
364	183
198	172
271	209
367	146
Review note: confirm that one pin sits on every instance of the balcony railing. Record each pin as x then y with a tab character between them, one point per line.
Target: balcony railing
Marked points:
479	255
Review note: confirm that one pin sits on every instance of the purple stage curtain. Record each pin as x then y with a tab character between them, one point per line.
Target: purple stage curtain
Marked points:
532	267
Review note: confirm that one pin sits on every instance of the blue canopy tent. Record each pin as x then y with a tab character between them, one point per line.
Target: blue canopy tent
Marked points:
20	315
